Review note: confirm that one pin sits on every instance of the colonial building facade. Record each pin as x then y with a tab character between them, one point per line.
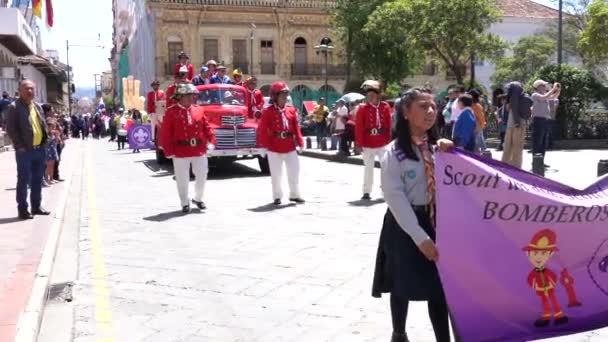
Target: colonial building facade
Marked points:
272	39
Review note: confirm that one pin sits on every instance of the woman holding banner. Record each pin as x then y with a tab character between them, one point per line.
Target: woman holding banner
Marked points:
405	264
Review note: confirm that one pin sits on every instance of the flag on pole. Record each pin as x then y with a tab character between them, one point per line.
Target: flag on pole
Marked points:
101	105
37	8
49	13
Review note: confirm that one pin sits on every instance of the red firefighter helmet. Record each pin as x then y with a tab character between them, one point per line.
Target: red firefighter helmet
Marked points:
279	87
544	240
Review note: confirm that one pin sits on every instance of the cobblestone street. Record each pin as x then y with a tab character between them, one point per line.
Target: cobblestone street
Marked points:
240	271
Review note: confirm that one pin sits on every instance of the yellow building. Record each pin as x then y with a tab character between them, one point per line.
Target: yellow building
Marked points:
279	36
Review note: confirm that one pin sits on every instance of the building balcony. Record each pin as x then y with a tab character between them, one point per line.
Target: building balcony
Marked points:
321	4
242	66
15	33
268	68
317	70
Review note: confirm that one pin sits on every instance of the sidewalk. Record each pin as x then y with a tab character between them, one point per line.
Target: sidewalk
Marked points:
331	155
22	244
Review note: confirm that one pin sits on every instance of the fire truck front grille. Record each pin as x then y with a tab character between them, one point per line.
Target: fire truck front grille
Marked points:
233	120
231	138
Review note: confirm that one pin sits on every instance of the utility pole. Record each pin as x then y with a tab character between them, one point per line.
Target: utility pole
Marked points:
67	54
560	33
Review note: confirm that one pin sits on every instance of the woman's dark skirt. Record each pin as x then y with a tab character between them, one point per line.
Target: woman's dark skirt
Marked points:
401	268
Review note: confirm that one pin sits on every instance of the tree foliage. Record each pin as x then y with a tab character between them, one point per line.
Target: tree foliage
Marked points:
445	30
530	54
594	37
388	58
579	89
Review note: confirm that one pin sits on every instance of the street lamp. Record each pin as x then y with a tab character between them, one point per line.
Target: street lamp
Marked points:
67	54
325	49
560	33
251	49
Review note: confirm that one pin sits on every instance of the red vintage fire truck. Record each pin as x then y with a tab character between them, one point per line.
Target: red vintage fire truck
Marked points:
227	113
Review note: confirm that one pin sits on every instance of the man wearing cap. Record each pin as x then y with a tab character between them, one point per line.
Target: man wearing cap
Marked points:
541	114
372	131
180	77
255	100
203	77
237	77
151	100
185	138
543	280
279	133
212	65
183	62
220	77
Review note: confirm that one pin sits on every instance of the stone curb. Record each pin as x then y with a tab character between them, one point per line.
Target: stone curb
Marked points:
334	158
28	325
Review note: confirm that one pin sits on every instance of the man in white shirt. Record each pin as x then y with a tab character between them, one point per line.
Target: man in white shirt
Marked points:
541	114
456	110
340	117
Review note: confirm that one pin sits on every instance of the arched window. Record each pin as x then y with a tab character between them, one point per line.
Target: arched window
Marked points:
300	57
327	89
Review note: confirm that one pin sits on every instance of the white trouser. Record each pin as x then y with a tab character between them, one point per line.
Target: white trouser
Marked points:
152	117
181	168
292	163
369	157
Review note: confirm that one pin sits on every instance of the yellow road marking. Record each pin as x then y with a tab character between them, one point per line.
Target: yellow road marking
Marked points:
103	315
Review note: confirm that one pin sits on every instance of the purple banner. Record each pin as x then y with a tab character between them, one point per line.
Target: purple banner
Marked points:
140	137
521	257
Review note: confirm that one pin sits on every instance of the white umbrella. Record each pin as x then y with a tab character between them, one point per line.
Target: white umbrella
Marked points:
351	97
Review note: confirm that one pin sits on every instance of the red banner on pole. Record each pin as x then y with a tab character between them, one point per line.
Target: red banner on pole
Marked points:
49	13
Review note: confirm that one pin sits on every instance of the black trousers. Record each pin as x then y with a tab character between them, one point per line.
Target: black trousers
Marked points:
56	169
540	129
122	139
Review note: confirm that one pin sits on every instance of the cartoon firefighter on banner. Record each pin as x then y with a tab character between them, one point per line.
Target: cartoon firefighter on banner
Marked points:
543	280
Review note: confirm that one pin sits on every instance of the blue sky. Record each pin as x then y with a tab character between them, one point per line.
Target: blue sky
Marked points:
81	24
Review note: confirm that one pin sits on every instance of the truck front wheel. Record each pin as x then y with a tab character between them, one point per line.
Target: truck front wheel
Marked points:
264	167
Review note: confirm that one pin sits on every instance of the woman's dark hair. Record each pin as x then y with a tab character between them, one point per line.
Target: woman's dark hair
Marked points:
466	100
475	94
402	129
46	108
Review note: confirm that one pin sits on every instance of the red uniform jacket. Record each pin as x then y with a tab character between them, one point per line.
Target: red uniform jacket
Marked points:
185	132
255	101
169	93
274	135
542	281
190	75
368	132
151	100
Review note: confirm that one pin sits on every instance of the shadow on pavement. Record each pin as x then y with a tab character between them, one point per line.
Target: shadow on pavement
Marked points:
162	217
8	220
271	207
366	203
10	189
217	172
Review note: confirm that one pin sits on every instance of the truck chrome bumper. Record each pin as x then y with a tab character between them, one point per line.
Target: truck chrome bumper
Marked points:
236	152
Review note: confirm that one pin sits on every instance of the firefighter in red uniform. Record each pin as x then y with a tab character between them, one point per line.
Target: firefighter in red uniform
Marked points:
279	132
372	131
543	280
180	77
186	137
237	77
255	99
151	99
183	62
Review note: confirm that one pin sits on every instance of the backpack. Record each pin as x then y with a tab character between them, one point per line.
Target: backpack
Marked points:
525	106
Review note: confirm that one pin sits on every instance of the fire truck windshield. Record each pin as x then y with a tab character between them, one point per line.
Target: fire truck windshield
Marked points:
215	97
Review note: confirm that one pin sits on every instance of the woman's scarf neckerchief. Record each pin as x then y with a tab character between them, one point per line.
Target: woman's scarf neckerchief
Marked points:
377	108
429	169
283	117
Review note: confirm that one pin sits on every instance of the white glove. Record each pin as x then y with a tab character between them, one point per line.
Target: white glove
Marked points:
210	147
298	149
169	157
263	153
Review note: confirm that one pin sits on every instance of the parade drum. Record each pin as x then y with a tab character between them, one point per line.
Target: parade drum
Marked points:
161	106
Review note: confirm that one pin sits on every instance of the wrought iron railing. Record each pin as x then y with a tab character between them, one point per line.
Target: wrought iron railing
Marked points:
324	4
317	70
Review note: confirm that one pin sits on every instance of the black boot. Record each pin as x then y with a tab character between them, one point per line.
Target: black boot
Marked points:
186	209
277	202
366	197
297	200
201	205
